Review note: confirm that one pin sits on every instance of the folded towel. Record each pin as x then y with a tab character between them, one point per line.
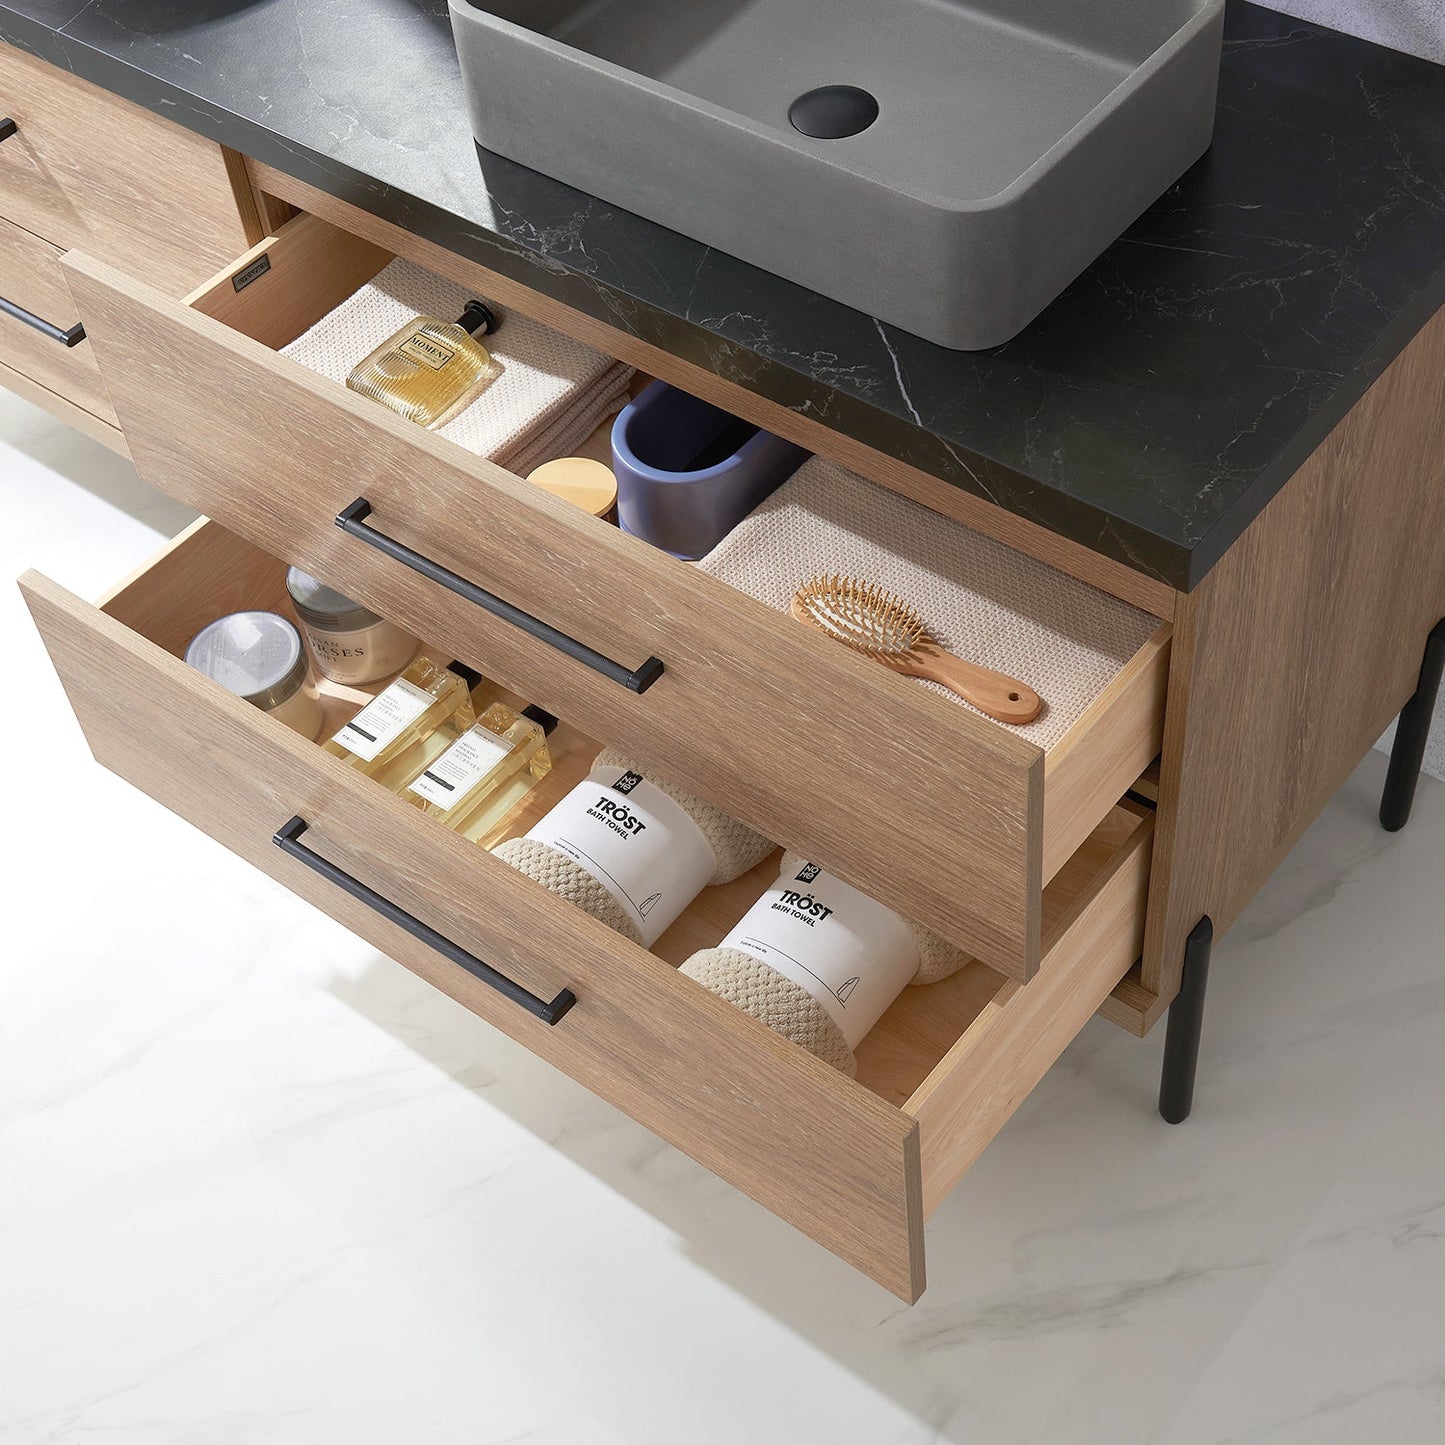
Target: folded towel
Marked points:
550	385
981	599
562	437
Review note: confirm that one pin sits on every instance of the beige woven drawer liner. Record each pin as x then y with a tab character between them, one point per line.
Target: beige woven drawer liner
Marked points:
982	600
553	393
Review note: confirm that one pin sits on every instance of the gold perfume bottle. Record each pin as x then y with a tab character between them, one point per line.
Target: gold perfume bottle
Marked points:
486	772
429	370
407	710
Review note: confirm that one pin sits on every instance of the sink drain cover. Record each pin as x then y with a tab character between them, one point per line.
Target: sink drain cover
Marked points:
832	111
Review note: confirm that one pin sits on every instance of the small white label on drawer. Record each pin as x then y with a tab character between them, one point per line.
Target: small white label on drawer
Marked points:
850	952
636	842
453	775
384	719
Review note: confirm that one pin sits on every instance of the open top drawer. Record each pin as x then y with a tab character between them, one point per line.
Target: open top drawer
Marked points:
857	1164
952	818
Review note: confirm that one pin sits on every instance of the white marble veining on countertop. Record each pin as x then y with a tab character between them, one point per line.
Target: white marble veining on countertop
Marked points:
259	1184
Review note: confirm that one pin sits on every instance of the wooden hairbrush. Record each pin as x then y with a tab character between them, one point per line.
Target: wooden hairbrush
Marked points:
880	625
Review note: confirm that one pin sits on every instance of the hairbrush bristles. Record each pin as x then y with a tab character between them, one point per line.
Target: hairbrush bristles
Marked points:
863	615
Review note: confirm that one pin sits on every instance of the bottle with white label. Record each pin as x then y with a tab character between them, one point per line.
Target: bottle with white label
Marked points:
406	711
467	787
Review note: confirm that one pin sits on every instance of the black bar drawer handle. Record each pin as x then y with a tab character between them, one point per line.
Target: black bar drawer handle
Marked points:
7	128
352	520
287	839
73	337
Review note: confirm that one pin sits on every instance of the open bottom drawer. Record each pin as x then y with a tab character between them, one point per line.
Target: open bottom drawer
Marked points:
856	1164
967	822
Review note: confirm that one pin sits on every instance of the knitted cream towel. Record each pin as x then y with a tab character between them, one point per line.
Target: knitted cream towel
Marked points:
562	437
545	373
982	600
734	845
787	1007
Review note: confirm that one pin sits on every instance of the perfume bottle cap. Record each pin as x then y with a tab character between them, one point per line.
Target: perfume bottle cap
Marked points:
478	318
544	719
324	606
256	655
468	675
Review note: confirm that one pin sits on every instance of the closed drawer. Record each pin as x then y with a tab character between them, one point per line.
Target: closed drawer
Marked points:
86	168
957	821
40	326
856	1164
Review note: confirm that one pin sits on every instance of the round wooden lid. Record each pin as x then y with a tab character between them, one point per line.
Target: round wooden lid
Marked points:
580	480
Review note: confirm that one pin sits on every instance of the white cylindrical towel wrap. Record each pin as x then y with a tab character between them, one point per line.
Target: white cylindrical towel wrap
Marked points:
819	962
632	850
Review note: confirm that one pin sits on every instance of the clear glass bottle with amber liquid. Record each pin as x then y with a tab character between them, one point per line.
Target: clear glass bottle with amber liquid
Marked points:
402	714
430	370
486	772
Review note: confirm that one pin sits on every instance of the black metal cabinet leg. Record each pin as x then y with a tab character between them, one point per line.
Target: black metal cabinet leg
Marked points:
1411	734
1186	1018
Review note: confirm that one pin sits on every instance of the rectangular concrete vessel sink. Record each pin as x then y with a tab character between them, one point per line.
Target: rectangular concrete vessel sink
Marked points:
947	166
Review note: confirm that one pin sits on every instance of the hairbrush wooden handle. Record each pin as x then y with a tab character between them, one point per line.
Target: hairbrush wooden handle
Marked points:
993	693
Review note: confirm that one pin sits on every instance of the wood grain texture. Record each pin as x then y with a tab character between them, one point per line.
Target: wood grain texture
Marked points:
698	1072
65	409
1294	653
31	277
89	169
1019	1034
1028	537
1131	1006
1105	751
754	711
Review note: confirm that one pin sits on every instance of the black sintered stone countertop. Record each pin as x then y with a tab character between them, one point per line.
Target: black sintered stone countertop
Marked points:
1149	413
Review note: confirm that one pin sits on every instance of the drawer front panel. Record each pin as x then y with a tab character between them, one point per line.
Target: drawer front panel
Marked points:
816	1148
86	168
32	282
938	810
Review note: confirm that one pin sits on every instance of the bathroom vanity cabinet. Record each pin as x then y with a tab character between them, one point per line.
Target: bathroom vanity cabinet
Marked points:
1073	878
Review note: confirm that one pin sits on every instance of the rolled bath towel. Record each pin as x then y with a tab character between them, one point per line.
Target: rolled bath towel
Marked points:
724	849
798	1013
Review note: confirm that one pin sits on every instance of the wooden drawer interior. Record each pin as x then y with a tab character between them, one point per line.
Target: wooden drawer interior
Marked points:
938	1076
276	453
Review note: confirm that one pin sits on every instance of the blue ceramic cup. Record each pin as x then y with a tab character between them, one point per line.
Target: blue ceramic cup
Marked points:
689	472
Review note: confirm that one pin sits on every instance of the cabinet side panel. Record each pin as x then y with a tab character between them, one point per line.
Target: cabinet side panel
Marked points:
1296	651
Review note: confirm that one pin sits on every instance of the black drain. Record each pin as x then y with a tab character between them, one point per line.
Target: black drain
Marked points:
832	111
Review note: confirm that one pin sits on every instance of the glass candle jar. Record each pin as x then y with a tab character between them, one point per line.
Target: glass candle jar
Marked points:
350	643
258	656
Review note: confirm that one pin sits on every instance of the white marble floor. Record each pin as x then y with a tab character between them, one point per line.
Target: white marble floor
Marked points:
258	1185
